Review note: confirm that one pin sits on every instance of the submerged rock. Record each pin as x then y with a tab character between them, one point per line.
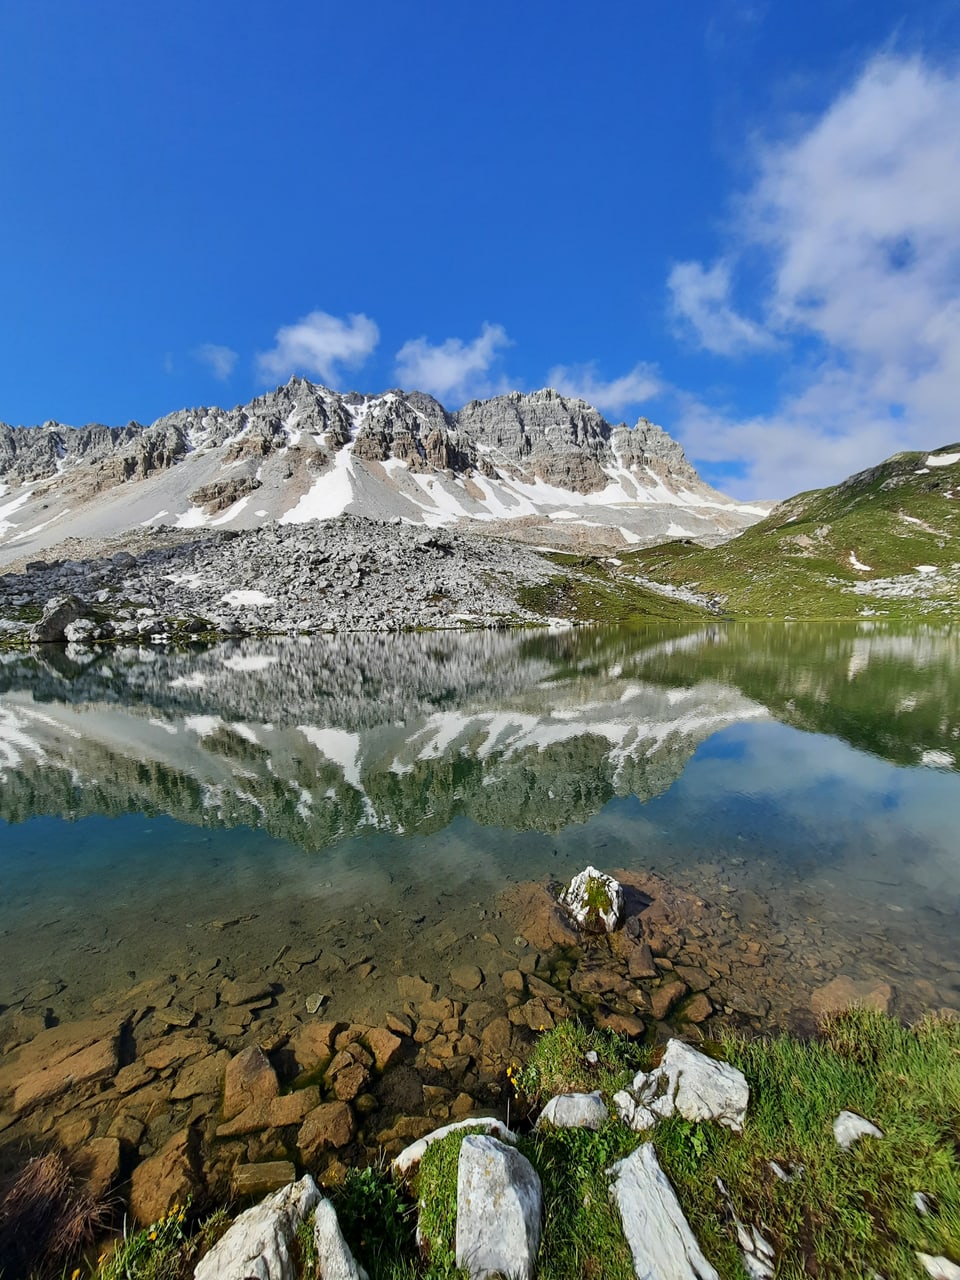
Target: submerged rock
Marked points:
499	1210
259	1244
659	1236
595	900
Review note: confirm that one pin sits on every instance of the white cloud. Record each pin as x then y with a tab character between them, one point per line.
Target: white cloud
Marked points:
858	218
220	360
613	396
700	300
320	345
454	370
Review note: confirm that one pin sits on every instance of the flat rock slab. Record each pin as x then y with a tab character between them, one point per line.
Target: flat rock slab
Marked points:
259	1244
499	1210
575	1111
848	993
661	1242
261	1179
97	1061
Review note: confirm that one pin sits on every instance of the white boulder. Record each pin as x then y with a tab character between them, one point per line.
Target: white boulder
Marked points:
334	1259
575	1111
659	1236
595	900
940	1268
499	1210
689	1083
410	1157
258	1244
849	1127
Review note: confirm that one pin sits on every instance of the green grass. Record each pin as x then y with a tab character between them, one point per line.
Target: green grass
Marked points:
849	1213
796	563
590	590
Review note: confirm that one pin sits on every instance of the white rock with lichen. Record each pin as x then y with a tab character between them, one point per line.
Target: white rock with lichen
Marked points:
334	1259
499	1210
575	1111
595	900
687	1083
849	1127
659	1236
260	1243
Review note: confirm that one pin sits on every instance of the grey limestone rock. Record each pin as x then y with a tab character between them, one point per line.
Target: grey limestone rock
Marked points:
259	1244
689	1083
410	1157
499	1210
334	1259
659	1236
58	615
848	1128
575	1111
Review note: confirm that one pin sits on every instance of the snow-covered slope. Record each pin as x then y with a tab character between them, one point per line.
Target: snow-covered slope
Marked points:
540	467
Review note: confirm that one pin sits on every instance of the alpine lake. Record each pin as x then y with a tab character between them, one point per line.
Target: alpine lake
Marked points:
232	845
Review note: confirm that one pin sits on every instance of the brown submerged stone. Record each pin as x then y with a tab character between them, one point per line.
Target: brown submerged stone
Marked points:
330	1125
249	1081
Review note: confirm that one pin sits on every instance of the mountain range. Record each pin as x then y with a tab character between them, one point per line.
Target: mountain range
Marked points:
540	467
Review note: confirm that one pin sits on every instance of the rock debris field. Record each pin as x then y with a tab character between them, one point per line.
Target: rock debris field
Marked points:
340	575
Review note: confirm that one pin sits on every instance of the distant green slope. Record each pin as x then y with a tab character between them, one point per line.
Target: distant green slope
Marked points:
853	550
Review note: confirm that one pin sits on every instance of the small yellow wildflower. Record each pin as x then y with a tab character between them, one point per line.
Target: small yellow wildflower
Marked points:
152	1235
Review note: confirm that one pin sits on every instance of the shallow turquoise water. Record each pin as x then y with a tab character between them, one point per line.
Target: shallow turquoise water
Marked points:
162	812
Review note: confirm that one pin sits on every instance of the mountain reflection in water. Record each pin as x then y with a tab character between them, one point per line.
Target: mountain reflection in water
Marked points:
315	740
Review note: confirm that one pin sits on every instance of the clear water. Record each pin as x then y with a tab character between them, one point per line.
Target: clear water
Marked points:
368	797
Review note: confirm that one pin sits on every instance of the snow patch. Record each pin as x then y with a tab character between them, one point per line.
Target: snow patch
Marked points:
202	726
248	662
864	568
328	496
247	597
926	569
942	459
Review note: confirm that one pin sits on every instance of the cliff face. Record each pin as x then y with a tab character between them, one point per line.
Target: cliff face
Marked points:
539	466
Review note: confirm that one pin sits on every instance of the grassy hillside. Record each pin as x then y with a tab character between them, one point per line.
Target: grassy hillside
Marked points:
849	551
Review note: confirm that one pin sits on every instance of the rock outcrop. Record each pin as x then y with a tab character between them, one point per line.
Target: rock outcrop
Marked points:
541	466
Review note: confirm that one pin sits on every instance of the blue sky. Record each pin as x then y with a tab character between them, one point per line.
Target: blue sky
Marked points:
741	219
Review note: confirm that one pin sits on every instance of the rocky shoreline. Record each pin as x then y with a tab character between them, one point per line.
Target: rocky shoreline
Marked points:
345	574
213	1084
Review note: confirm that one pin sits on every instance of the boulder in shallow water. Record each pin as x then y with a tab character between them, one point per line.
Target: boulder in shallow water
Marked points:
595	900
58	614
